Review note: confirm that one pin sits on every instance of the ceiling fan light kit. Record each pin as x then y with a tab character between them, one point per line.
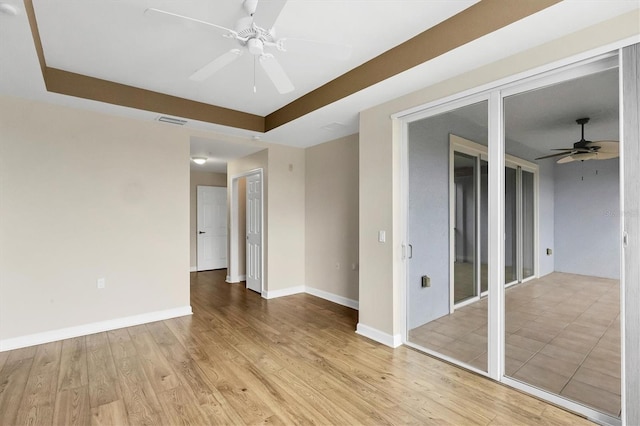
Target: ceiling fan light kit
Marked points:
8	9
256	39
584	150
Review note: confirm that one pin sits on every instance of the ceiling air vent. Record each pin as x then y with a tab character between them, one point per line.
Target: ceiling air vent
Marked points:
333	127
172	120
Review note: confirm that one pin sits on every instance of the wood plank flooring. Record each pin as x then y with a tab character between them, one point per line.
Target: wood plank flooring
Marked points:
241	359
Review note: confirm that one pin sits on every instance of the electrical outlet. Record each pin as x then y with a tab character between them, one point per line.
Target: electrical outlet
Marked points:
102	282
549	252
426	281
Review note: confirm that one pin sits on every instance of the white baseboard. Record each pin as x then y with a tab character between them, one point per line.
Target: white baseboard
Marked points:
236	279
381	337
283	292
193	269
340	300
96	327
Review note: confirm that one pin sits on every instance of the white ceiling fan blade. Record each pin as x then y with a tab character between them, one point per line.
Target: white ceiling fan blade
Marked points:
568	152
267	12
276	73
337	51
215	65
567	159
606	146
157	13
606	155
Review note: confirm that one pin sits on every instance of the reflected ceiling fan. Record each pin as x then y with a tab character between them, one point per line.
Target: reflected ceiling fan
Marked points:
255	33
586	150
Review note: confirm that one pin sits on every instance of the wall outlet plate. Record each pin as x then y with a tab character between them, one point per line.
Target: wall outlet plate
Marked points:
426	281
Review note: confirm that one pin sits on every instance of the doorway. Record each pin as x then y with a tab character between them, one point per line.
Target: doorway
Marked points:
211	227
246	224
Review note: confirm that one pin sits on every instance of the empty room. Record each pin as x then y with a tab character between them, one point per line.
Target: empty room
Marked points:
309	212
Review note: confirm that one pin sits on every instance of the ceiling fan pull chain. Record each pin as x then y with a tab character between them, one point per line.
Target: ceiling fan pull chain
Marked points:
254	74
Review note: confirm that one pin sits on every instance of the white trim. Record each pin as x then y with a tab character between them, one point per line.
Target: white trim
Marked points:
574	60
495	235
392	341
401	136
331	297
193	269
282	292
447	358
235	279
95	327
591	414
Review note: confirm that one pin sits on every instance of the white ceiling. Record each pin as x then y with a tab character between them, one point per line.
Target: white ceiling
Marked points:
113	39
540	120
545	119
117	41
218	153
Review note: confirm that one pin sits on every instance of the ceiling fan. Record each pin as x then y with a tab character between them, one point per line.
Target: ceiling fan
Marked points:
255	33
585	150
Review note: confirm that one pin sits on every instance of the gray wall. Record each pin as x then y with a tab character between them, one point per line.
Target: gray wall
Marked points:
546	212
429	212
587	231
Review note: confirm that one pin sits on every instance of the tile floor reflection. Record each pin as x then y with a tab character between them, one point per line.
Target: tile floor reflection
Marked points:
562	335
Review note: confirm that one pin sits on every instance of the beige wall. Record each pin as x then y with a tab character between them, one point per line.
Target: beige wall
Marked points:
284	171
331	212
381	279
286	217
82	196
199	178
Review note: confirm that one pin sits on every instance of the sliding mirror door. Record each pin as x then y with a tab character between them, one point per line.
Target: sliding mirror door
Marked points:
562	329
447	235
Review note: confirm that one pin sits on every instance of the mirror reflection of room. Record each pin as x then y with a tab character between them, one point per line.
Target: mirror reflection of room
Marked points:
448	190
562	328
561	238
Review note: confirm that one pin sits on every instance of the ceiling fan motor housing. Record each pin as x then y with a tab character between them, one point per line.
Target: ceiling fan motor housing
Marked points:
256	46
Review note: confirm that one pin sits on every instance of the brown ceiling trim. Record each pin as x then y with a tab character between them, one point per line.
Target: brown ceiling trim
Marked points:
474	22
31	16
82	86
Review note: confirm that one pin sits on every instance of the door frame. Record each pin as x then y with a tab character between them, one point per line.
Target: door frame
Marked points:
478	152
233	255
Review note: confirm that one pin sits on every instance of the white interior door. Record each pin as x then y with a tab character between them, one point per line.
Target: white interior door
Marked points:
254	233
212	227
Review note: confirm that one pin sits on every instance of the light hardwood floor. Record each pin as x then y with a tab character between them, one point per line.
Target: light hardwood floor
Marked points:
562	335
241	359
